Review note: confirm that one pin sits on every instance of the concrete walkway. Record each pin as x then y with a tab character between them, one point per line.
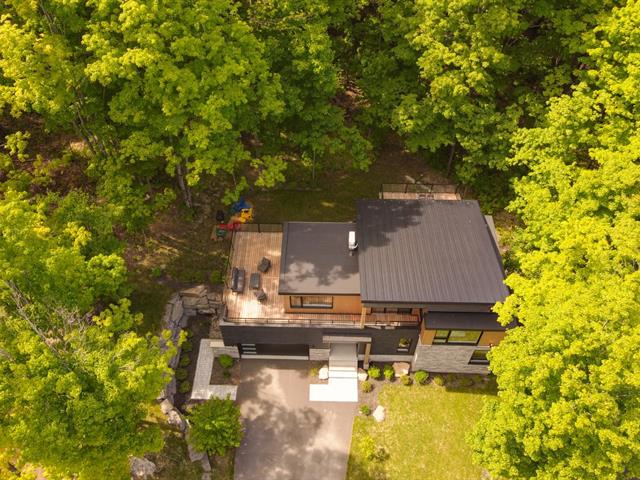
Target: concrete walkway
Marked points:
201	389
287	437
343	376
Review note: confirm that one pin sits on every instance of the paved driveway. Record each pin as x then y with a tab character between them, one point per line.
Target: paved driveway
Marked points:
286	436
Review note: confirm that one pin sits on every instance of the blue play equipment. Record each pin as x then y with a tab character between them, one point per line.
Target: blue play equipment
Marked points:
239	206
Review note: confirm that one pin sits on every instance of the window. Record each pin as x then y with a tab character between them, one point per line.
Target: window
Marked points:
459	337
405	311
377	310
404	345
311	301
479	357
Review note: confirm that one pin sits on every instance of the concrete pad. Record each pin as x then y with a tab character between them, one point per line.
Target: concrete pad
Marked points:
287	437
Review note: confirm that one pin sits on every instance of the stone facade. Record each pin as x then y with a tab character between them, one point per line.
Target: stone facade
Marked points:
447	359
319	354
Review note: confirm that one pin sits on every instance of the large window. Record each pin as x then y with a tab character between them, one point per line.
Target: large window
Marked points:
311	301
457	337
479	357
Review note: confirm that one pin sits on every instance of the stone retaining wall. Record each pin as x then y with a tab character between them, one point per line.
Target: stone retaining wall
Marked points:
219	348
319	354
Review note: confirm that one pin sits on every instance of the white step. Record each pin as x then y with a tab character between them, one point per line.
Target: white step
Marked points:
343	373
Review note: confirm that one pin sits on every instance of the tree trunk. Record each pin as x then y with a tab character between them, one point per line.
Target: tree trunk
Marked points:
182	183
452	152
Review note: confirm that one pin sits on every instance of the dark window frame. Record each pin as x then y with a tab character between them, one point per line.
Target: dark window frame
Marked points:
399	311
479	361
302	305
442	340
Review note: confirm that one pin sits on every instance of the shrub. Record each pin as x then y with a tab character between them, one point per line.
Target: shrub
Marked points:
184	361
374	372
389	372
217	277
365	410
188	333
421	377
187	346
215	426
466	381
156	272
366	386
438	380
314	371
225	361
185	387
181	374
371	450
406	380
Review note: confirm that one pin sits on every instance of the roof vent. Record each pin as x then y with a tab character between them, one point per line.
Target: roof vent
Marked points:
353	244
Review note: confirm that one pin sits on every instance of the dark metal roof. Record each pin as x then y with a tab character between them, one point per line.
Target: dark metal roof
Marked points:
316	260
427	251
462	321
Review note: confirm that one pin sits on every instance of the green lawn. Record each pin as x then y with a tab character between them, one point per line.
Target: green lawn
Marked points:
423	435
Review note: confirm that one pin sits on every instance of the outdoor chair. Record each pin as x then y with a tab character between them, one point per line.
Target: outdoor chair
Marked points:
264	265
237	279
254	281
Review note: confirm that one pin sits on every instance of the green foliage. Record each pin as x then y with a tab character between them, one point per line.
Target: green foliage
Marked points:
365	410
216	426
421	377
181	374
184	387
371	449
388	372
184	360
406	380
314	371
438	380
55	259
366	386
67	379
217	277
568	378
225	361
187	346
374	372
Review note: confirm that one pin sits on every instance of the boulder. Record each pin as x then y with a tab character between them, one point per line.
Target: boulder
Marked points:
166	406
141	467
206	476
197	291
190	303
174	418
323	373
379	413
362	375
206	464
194	455
401	368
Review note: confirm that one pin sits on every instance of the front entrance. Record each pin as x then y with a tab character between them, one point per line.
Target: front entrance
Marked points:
274	350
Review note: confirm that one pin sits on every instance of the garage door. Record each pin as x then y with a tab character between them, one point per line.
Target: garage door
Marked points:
274	350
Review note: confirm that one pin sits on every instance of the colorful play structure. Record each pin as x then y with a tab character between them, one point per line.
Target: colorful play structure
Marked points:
239	213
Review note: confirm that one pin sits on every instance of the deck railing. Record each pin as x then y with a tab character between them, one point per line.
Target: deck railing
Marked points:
426	188
371	319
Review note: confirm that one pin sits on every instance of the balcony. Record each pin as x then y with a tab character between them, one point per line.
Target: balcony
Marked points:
248	247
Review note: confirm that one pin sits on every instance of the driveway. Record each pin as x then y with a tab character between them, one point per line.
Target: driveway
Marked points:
286	436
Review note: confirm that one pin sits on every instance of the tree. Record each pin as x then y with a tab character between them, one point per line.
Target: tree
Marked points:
75	390
215	426
466	75
569	396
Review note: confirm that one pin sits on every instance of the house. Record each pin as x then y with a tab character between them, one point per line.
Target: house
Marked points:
410	280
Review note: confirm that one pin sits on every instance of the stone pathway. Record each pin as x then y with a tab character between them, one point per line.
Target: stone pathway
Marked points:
202	390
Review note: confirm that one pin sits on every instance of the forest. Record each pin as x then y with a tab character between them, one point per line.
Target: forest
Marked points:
113	110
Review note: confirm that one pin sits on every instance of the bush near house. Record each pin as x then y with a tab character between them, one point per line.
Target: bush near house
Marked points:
225	361
184	361
421	377
389	373
374	372
215	426
367	386
187	346
365	410
185	387
406	380
438	380
181	374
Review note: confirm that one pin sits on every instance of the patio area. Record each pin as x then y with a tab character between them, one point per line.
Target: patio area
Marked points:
247	249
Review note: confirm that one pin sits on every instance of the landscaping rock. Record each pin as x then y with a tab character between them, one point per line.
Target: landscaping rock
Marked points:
379	413
141	468
362	375
206	464
206	476
190	303
401	368
197	291
174	418
323	373
166	406
214	297
194	455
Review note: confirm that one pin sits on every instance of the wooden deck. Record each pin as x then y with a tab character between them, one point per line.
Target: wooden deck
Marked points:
246	251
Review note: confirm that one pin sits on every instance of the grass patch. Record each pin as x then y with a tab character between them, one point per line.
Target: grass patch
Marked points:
423	435
149	298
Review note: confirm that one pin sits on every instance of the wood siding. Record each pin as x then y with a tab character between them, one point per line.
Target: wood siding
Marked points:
490	338
341	304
